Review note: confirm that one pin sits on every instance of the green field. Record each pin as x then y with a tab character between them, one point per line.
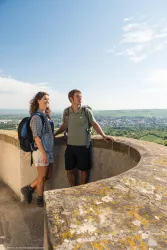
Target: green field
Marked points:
157	135
132	113
112	113
153	138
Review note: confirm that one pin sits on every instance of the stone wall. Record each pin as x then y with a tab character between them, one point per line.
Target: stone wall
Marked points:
127	211
124	206
15	167
109	159
10	165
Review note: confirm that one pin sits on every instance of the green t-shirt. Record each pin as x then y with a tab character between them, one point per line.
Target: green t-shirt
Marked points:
77	126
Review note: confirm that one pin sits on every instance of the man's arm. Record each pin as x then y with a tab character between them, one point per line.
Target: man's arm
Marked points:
99	130
63	125
61	129
97	127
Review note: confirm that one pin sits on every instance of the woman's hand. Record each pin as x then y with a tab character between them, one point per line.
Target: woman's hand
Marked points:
45	158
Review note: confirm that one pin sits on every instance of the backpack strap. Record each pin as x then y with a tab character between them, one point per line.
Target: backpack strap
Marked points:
85	108
31	159
40	115
67	111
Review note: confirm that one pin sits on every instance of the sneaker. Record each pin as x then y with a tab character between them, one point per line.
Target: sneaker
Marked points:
27	193
40	202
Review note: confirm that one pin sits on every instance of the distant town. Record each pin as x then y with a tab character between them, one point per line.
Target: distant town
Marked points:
149	125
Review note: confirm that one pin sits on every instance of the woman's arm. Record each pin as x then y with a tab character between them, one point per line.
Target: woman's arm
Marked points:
41	149
36	127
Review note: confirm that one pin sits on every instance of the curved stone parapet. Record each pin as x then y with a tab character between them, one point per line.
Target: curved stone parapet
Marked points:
123	207
108	159
15	167
15	170
127	211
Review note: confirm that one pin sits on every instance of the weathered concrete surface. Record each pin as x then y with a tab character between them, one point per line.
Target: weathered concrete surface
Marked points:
109	159
128	211
15	167
21	225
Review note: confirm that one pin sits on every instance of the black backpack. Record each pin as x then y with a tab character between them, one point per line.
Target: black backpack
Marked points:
25	133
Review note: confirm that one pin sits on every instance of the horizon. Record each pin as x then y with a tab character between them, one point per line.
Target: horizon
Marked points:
114	51
94	109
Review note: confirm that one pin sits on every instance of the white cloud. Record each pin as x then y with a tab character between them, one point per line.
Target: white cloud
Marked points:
137	59
131	26
158	79
141	38
134	53
111	50
149	92
156	82
153	89
127	19
3	73
162	35
159	47
16	94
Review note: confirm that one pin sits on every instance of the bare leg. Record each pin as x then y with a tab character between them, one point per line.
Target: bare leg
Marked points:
71	177
49	171
84	176
76	176
42	171
48	176
49	185
34	184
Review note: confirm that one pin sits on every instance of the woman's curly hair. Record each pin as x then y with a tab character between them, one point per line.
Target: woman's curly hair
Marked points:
34	105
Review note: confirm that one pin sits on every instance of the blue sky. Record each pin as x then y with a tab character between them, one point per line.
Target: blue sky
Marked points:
114	51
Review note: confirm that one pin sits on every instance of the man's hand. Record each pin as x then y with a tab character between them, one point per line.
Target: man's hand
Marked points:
99	130
107	138
55	133
44	158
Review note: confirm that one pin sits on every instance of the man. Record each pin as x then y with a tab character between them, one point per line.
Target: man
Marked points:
78	151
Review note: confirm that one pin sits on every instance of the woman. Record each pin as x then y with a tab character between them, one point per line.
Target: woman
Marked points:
43	139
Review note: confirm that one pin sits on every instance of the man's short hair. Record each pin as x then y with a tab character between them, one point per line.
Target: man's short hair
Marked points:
72	93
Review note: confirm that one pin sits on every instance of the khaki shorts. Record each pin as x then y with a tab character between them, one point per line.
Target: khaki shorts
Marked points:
37	159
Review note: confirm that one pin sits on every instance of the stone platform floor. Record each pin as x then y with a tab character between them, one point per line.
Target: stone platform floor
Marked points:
21	225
